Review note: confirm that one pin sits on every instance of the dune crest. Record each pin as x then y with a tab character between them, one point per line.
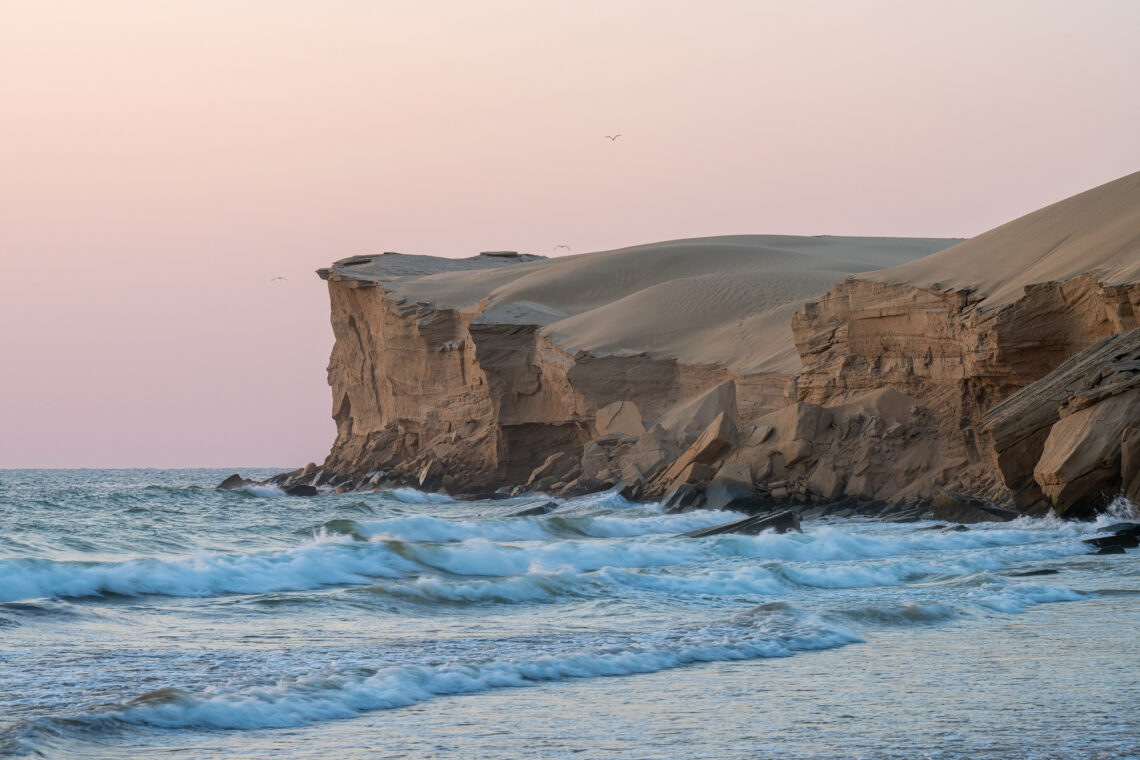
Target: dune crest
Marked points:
738	371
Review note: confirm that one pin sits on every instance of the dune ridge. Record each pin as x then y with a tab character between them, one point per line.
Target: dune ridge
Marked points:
746	371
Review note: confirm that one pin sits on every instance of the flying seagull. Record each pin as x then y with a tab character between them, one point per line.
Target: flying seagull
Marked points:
611	138
275	279
562	246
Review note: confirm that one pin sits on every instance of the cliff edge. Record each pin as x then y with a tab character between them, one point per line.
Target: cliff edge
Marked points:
730	371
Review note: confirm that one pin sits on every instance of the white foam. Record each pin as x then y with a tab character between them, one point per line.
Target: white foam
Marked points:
328	560
412	496
339	695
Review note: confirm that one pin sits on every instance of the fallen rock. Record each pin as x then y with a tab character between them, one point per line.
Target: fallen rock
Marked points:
301	489
1124	541
751	526
1109	550
731	489
953	508
1081	461
1124	529
716	440
683	498
1032	573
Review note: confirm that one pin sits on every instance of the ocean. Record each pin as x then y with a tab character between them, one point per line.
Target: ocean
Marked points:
145	614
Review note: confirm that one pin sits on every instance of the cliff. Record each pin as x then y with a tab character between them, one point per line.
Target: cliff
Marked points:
472	373
962	329
732	371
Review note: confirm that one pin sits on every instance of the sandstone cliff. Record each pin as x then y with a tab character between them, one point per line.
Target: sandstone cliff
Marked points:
962	329
733	371
591	370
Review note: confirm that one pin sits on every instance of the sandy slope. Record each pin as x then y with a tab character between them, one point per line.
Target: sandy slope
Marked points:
725	300
1097	231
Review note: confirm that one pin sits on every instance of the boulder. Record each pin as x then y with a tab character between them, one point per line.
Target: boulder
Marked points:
953	508
781	522
301	489
824	481
233	482
716	440
683	498
1125	541
554	468
688	419
1080	466
731	489
1036	432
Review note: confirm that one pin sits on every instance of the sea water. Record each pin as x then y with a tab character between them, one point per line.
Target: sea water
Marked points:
143	613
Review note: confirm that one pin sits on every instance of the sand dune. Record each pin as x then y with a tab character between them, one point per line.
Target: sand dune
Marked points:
1097	232
724	300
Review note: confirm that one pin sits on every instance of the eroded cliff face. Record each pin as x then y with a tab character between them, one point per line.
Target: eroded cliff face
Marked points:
955	359
438	397
729	386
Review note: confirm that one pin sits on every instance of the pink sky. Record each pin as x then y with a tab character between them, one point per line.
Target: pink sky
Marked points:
161	161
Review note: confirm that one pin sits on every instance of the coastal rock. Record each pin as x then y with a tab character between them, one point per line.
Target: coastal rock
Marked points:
642	365
731	489
234	482
752	526
959	509
683	498
1070	438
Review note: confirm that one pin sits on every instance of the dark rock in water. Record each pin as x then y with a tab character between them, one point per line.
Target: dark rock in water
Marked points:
234	482
530	510
683	498
953	508
1109	550
936	526
751	526
959	527
1117	529
1031	573
630	491
1124	541
300	490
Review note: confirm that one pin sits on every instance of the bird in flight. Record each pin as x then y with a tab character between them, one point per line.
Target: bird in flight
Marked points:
275	279
562	246
611	138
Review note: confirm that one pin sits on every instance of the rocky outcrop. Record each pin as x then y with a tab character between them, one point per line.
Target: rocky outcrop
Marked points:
737	373
1070	441
452	374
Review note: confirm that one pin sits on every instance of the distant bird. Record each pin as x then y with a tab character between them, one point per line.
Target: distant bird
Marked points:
562	246
275	279
611	138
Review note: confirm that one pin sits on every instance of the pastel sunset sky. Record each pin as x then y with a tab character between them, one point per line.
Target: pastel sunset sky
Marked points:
161	161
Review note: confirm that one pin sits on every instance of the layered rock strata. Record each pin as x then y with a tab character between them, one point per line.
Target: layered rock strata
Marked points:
1071	440
750	371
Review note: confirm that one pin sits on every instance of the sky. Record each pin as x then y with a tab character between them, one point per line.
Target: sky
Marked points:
161	162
